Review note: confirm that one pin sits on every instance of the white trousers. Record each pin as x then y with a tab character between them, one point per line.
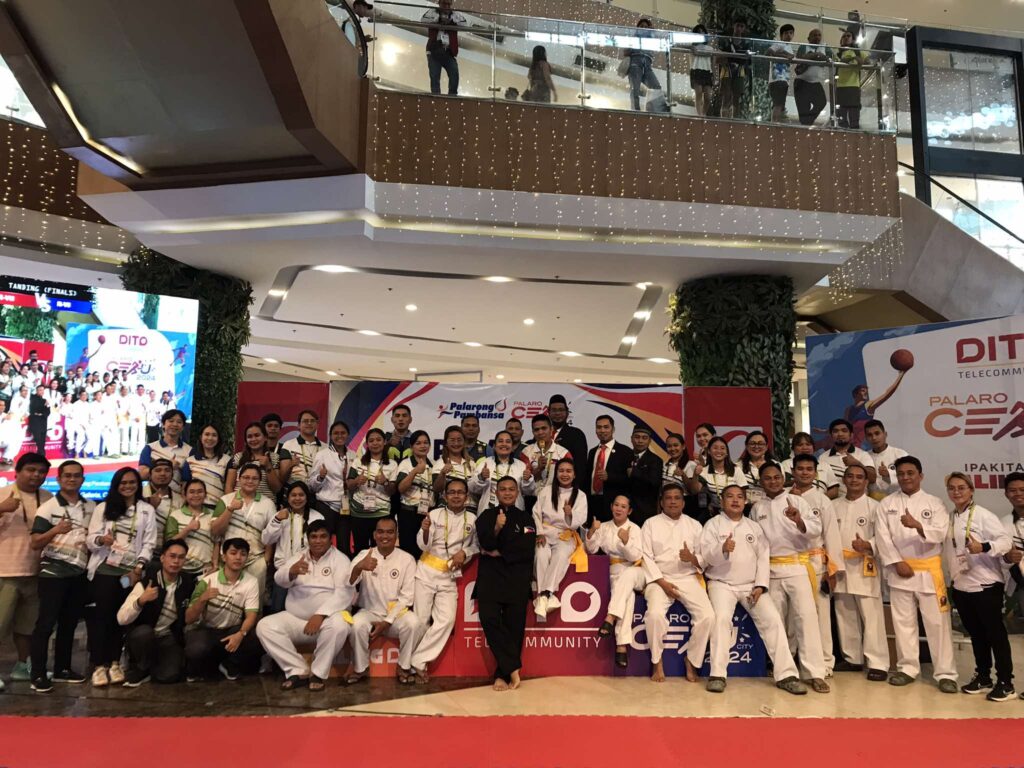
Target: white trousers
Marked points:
136	437
767	620
625	584
552	562
124	440
111	439
937	629
861	623
407	629
792	596
78	437
436	606
695	601
281	632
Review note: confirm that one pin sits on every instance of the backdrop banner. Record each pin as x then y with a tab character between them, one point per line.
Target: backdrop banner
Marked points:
951	394
285	398
734	411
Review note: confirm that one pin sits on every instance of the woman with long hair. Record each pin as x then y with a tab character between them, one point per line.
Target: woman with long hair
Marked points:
755	454
416	492
327	479
490	469
542	87
371	481
192	524
455	462
209	463
287	532
121	539
559	512
679	469
720	471
256	452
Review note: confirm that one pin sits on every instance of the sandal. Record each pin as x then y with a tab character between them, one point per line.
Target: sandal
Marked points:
606	629
355	677
406	676
621	659
293	682
422	678
316	684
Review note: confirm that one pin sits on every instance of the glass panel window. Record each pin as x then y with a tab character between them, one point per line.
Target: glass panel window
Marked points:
1000	199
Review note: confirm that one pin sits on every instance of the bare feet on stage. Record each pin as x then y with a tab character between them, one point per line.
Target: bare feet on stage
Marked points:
691	671
500	685
658	675
516	682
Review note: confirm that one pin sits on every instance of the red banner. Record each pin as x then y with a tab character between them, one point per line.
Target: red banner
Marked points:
734	411
257	398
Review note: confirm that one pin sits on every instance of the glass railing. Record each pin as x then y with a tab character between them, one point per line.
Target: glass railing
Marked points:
594	66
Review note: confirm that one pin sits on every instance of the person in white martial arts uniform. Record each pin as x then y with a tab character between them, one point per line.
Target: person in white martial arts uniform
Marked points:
791	527
12	435
559	513
860	616
386	577
884	456
490	469
110	436
77	424
826	552
670	543
909	534
123	401
735	553
447	540
319	594
620	540
245	514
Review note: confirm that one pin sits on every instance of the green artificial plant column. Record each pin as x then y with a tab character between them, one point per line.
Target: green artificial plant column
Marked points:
719	16
738	331
223	329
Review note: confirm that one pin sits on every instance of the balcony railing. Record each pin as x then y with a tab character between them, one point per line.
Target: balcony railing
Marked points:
601	67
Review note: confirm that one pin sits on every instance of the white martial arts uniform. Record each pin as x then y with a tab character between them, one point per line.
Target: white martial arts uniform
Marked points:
94	436
386	594
887	458
486	488
662	539
76	426
436	591
323	591
561	539
826	554
625	569
925	590
793	578
732	576
124	418
12	435
858	598
136	424
1014	528
109	436
287	536
553	454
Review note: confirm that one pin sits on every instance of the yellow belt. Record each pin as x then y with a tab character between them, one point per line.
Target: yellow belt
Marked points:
804	559
830	567
578	558
621	560
435	562
868	568
933	565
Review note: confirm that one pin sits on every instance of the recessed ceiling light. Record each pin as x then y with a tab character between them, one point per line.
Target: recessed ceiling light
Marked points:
369	333
661	383
331	373
658	360
643	286
577	381
642	314
411	307
333	268
629	339
528	321
413	370
570	354
499	376
269	360
277	293
473	344
498	279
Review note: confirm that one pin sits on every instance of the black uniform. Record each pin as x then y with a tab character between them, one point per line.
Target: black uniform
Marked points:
38	414
644	486
502	587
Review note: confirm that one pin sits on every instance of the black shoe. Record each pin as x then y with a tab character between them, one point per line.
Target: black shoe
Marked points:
1002	692
842	665
42	685
877	675
69	676
134	679
977	685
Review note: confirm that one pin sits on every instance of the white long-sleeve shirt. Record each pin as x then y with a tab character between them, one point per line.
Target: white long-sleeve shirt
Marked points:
551	522
829	538
606	539
543	478
323	590
661	540
896	542
858	518
784	536
287	535
331	489
134	537
450	532
486	489
131	608
887	459
389	588
747	565
1015	530
985	568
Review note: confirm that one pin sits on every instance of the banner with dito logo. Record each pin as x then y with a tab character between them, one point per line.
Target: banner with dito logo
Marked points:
951	394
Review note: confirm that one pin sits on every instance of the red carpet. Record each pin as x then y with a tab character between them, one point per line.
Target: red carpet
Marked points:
566	742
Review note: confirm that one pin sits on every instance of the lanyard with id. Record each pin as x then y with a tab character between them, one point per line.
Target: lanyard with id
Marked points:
962	562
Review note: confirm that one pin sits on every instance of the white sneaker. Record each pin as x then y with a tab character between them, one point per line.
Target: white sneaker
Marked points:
100	677
540	606
553	604
116	674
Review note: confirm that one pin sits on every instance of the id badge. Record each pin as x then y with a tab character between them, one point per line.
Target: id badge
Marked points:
961	565
424	506
117	556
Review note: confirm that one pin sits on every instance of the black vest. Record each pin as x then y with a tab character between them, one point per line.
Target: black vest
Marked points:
183	594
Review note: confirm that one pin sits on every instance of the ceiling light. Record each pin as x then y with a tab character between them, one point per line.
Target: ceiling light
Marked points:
642	314
629	339
369	333
577	381
473	344
661	383
411	307
643	286
498	279
658	360
277	293
570	354
333	268
528	321
413	370
499	376
269	360
331	373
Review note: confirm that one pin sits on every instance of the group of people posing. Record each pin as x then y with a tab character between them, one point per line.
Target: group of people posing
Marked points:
201	563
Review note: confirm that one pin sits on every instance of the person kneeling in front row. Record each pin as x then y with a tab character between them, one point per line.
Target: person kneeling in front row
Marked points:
154	613
226	604
319	594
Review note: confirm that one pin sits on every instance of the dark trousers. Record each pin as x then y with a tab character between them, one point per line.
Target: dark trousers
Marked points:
204	651
162	658
443	60
362	532
152	434
982	615
409	522
38	431
340	527
106	636
61	605
504	626
810	100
